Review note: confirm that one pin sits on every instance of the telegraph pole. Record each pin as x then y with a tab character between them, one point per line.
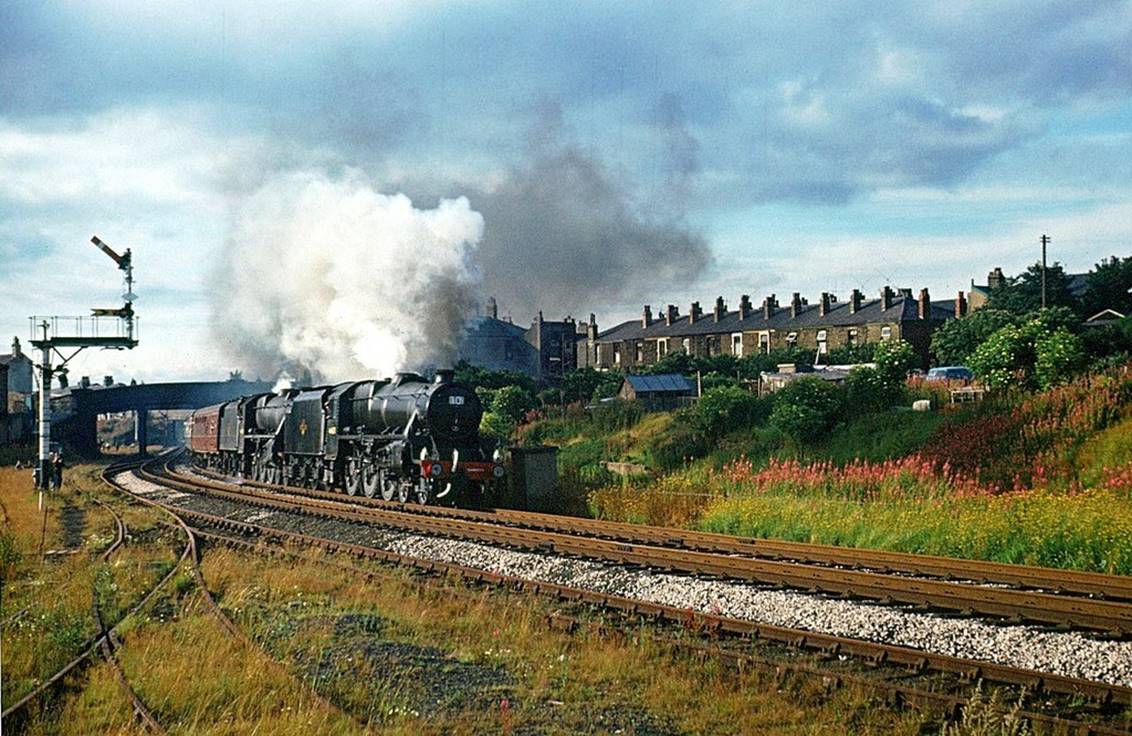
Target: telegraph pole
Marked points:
1045	242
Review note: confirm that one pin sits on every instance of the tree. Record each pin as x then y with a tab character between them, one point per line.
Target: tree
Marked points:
1022	294
512	403
1107	287
806	408
579	385
955	340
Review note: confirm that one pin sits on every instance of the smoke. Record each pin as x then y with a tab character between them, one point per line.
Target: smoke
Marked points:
328	275
564	234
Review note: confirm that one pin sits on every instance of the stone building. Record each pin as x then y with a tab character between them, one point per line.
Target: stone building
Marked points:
546	350
19	387
820	327
980	293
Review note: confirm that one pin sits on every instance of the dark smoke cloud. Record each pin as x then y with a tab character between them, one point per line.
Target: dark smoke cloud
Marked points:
564	235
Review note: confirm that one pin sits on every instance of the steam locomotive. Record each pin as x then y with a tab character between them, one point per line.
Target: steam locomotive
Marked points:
408	439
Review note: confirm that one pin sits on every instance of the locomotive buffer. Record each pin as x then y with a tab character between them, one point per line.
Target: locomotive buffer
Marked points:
104	328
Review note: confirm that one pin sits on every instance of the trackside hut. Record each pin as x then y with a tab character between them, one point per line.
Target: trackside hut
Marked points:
661	392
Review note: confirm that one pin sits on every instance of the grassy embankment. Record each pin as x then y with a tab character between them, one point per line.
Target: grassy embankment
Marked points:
1043	478
393	653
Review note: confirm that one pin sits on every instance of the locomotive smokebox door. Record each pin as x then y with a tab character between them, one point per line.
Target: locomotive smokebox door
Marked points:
534	477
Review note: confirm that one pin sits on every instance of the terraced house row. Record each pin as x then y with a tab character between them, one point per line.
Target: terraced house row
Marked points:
820	327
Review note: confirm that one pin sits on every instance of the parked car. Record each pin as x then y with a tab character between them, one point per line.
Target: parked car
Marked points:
950	373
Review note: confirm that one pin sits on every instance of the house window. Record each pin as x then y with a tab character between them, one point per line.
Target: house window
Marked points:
822	346
617	355
687	344
640	352
852	337
764	343
662	347
737	344
886	333
792	339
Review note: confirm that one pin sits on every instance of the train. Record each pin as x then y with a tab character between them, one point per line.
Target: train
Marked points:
408	439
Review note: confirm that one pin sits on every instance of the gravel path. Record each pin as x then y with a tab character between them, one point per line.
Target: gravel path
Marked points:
1062	653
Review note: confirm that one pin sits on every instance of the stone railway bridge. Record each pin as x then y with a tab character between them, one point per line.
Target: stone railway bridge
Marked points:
76	412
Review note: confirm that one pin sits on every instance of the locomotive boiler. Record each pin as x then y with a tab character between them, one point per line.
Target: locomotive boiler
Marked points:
408	439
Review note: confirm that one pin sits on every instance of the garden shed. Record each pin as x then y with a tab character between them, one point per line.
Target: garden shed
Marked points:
666	391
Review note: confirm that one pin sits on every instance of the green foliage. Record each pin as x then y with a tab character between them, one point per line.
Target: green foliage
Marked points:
1022	294
955	340
850	354
580	385
1005	358
1107	287
681	444
616	415
1038	352
608	386
709	381
894	358
726	409
496	425
476	377
512	403
867	390
878	437
806	408
1059	355
1109	340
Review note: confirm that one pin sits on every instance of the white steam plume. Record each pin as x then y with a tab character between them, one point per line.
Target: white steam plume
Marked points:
327	275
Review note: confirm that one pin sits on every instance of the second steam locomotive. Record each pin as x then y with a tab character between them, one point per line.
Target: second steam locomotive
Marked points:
408	439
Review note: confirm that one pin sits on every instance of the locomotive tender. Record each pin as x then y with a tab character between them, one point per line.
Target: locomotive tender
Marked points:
408	439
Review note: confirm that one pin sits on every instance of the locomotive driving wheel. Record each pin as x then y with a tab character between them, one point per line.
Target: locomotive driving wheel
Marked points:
353	476
388	486
371	480
404	491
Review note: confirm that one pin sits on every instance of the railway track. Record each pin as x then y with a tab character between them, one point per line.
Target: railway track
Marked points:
1066	582
1107	696
101	642
1107	610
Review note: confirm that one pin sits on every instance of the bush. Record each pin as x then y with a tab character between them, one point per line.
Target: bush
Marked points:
496	425
806	408
894	359
956	339
512	402
616	415
1058	356
868	391
727	408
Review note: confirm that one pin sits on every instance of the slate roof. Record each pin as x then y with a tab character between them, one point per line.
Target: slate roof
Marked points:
903	309
666	383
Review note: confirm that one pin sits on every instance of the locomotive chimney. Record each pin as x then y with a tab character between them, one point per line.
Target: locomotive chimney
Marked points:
444	375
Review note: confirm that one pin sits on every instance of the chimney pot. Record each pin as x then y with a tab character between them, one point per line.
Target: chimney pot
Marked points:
854	301
16	352
646	319
744	306
770	304
108	380
961	305
795	305
996	279
720	309
825	301
694	313
886	297
925	304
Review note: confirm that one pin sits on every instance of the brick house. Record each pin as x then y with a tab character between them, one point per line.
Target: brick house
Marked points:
820	327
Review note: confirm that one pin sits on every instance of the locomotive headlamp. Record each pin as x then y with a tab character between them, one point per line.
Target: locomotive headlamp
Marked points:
497	456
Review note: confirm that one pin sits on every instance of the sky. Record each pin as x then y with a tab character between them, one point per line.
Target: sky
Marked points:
594	156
